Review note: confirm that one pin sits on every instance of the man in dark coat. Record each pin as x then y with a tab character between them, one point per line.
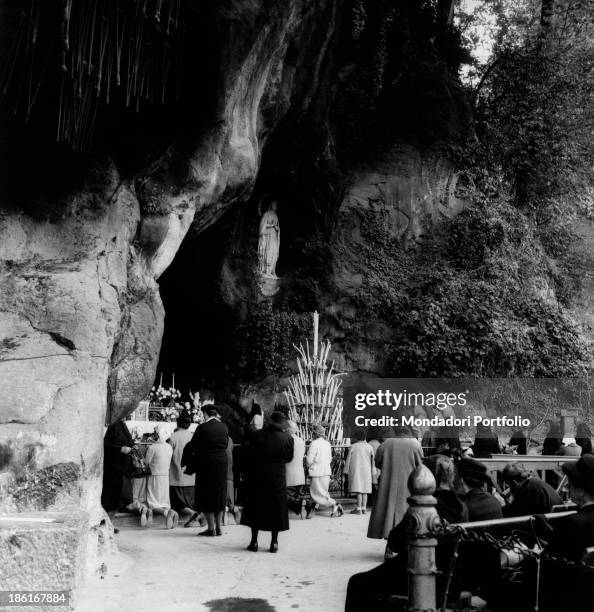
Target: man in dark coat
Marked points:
568	538
117	444
265	506
566	584
209	446
481	505
530	495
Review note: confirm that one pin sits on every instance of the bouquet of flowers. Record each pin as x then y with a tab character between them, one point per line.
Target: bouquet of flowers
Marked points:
169	413
160	396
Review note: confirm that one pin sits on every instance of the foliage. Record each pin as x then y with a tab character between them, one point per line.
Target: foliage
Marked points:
267	339
477	299
399	78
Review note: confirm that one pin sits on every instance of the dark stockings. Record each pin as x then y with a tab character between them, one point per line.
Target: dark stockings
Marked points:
273	536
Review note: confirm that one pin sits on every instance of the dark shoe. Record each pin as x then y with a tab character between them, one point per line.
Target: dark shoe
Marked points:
309	510
208	532
253	546
191	521
273	546
338	511
218	531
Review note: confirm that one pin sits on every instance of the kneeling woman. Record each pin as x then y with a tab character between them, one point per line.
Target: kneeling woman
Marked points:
266	507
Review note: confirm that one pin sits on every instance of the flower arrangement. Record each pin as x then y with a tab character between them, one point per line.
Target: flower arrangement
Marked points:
168	413
161	396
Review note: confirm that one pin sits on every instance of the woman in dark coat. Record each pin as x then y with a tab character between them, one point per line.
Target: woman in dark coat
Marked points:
266	486
209	444
518	439
117	444
583	438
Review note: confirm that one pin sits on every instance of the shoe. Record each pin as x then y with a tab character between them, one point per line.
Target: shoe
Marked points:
218	531
338	511
208	532
143	517
171	519
363	511
253	546
237	515
149	517
192	521
310	509
273	547
356	511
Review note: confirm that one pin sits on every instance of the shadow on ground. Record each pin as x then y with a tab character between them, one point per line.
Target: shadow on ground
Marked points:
238	604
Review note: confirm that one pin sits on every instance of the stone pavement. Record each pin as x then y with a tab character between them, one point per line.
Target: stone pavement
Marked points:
176	571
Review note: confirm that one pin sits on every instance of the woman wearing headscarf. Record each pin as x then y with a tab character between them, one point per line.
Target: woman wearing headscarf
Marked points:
117	444
209	443
396	458
583	438
158	458
266	506
319	464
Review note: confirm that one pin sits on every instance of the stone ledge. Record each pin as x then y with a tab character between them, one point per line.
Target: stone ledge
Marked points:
43	551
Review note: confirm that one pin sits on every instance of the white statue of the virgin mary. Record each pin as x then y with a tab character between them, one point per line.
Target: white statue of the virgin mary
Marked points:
268	243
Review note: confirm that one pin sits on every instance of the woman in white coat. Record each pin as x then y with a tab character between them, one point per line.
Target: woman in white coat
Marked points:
319	460
359	468
158	458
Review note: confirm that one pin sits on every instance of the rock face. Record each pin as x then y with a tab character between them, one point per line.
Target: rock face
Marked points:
81	318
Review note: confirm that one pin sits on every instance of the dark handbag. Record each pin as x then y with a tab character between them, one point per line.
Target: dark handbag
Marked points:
137	467
188	459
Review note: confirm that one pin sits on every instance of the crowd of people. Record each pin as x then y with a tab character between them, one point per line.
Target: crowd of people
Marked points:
466	493
193	475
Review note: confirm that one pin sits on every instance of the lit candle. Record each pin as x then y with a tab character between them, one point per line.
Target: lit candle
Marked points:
173	384
161	380
316	318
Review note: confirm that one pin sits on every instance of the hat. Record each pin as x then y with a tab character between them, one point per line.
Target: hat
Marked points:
211	410
471	468
318	430
184	419
581	472
278	420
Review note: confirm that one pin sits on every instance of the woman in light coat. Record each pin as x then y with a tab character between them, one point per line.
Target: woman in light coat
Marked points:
158	458
295	473
396	458
359	468
319	461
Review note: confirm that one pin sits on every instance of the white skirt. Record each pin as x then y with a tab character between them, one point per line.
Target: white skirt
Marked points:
157	492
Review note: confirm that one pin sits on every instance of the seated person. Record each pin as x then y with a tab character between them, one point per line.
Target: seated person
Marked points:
373	590
475	481
530	495
568	538
564	587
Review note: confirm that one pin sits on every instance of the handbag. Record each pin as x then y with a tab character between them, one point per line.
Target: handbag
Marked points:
137	467
188	459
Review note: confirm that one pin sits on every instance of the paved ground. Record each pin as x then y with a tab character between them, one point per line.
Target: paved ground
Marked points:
179	572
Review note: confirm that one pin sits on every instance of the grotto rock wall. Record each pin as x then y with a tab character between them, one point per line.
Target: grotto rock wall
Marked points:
397	198
81	318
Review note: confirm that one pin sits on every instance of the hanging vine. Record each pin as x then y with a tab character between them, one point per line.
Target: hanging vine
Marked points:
102	50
